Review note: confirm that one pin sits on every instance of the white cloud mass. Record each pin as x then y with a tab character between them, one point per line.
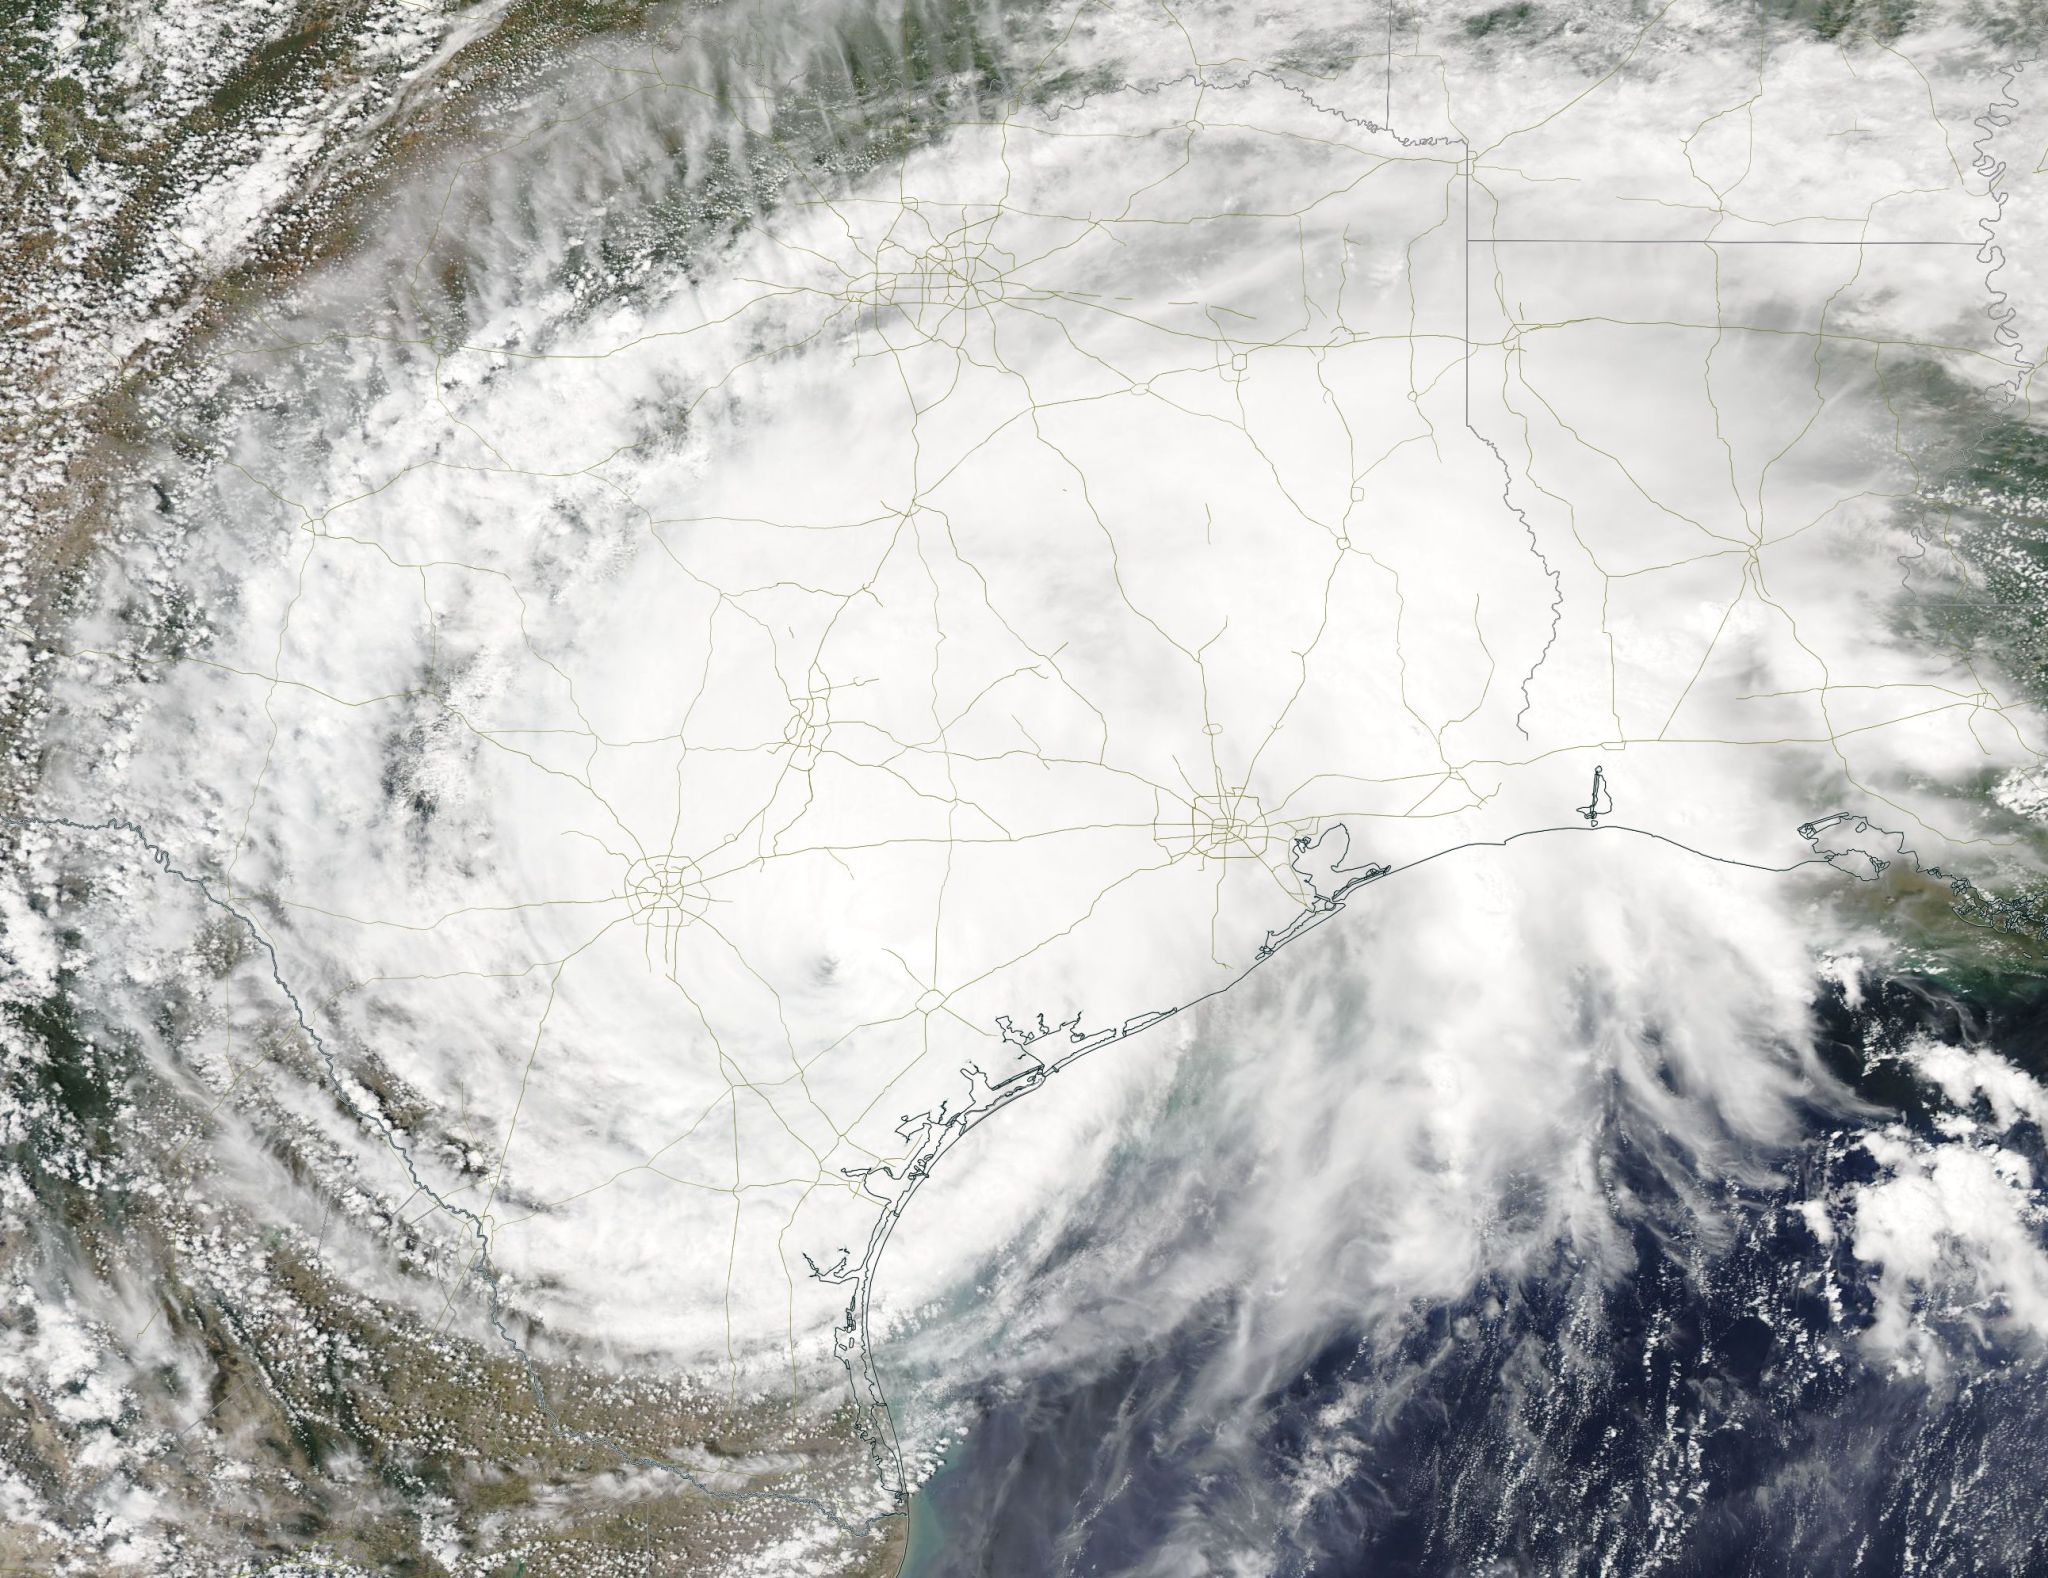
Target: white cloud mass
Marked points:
695	639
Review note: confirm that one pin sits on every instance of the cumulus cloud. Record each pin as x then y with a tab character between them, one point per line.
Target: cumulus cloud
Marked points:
1953	1226
710	630
1426	1097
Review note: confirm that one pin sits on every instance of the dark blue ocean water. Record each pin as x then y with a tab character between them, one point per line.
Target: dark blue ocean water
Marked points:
1709	1412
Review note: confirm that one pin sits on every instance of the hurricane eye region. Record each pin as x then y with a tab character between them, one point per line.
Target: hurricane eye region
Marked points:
957	787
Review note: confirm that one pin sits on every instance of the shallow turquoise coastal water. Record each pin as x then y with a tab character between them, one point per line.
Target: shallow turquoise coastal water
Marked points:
925	1542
